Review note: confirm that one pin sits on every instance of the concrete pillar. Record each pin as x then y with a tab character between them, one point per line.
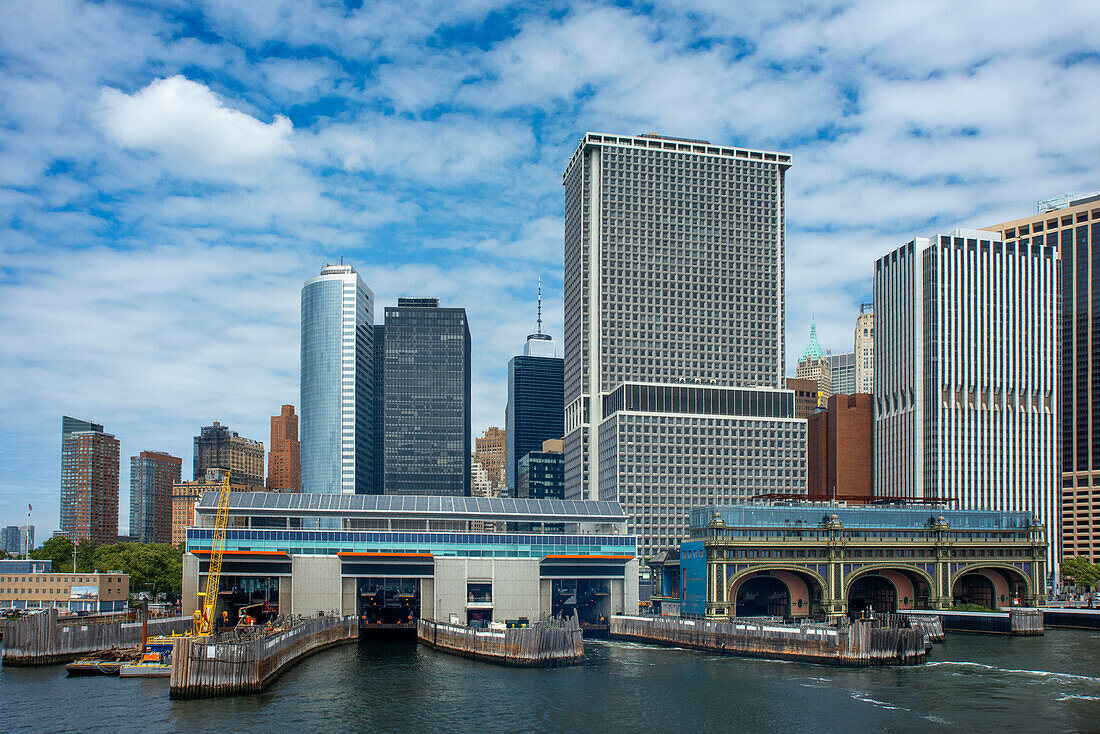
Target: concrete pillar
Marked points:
316	585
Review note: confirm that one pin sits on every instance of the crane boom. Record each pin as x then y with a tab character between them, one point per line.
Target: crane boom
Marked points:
214	572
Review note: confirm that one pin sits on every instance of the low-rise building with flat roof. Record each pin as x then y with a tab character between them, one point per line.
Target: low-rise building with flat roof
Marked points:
31	585
398	558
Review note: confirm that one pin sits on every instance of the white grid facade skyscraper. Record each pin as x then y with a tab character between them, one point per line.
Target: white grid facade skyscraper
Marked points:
673	307
966	375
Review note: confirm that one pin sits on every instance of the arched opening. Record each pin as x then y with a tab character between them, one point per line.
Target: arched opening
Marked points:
974	588
872	593
763	596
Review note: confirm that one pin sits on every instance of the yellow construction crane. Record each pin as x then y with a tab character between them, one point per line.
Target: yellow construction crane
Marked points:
208	601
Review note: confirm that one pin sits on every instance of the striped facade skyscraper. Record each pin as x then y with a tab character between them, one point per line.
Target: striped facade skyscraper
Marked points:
337	377
966	375
89	482
674	330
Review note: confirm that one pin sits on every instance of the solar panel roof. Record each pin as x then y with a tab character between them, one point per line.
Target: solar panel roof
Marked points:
514	508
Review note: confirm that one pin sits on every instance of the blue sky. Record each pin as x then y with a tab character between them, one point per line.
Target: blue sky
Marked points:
171	173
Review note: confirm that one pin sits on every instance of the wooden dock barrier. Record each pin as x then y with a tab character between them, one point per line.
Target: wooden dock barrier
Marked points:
1025	622
1015	622
862	643
202	668
545	644
40	639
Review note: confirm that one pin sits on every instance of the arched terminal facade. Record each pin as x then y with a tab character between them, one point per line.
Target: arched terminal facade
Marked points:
824	560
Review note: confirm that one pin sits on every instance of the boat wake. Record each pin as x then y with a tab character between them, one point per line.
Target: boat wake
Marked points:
1043	674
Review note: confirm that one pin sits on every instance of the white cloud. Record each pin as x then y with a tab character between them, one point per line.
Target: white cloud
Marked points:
193	129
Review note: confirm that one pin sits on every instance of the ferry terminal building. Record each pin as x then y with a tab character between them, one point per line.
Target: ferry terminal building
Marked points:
392	559
826	560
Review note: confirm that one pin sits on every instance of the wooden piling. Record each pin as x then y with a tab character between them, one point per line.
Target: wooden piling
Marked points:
40	639
545	644
862	643
206	668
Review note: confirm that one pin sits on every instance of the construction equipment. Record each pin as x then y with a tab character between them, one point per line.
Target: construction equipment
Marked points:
208	601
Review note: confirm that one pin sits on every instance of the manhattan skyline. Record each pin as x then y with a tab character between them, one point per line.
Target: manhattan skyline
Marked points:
171	179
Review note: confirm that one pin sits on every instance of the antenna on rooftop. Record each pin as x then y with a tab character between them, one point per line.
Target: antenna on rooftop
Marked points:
540	305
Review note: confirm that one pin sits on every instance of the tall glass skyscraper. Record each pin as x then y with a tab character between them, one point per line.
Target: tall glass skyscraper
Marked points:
152	474
535	411
337	379
427	399
674	256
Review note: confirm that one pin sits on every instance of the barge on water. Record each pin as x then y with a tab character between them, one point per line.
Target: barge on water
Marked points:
545	644
861	643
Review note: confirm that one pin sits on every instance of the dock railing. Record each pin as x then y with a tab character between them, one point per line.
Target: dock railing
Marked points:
206	668
40	639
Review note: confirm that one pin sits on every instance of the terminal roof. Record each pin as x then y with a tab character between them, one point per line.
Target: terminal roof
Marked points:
415	507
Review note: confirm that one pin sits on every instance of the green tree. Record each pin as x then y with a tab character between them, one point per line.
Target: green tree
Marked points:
1079	571
58	549
153	567
4	555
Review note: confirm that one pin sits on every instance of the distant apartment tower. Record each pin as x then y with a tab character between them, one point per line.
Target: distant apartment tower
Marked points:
489	452
217	447
966	379
1072	224
813	365
842	372
284	462
839	450
89	482
535	410
865	349
152	475
426	376
337	378
674	331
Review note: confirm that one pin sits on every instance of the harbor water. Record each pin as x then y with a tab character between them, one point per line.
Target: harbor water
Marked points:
971	683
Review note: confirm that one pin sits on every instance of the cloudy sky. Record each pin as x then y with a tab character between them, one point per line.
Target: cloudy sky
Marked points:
171	172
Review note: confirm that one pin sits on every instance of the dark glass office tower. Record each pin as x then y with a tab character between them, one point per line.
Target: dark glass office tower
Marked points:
426	379
377	431
535	410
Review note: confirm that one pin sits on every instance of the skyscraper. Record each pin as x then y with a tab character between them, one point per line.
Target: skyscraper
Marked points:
966	378
535	410
337	376
813	365
1073	226
674	330
89	482
427	399
489	452
865	349
217	447
152	474
284	462
378	430
842	372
